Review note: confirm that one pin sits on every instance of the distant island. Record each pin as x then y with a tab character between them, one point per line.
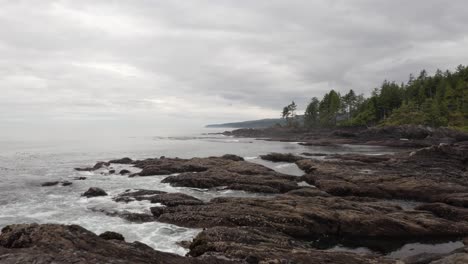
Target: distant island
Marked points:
261	123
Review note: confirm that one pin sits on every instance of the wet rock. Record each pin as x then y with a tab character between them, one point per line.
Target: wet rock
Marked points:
67	244
308	192
54	183
232	157
167	199
109	235
168	166
80	178
314	154
157	211
435	174
97	166
47	184
281	157
125	160
264	245
407	136
124	171
93	192
465	241
66	183
111	171
271	182
316	216
446	211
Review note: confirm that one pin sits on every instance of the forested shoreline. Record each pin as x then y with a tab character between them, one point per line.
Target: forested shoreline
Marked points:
440	100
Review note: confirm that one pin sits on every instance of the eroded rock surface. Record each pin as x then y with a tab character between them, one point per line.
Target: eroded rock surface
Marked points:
264	245
281	157
66	244
315	216
433	174
167	199
94	192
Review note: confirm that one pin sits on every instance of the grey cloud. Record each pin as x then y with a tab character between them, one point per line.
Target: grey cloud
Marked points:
143	58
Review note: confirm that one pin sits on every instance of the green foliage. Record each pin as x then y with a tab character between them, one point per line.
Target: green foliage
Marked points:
289	113
311	115
328	109
438	100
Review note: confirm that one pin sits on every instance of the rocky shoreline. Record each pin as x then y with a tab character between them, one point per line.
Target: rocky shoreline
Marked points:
343	198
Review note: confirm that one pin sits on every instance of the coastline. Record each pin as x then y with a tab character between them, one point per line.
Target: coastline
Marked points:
340	197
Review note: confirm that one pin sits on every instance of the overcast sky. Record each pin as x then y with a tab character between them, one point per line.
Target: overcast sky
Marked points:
92	62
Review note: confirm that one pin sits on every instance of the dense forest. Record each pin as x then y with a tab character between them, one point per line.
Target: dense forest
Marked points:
438	100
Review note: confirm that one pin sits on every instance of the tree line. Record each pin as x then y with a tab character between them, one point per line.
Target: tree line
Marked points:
438	100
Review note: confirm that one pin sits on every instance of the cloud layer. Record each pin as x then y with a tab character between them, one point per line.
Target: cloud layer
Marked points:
210	61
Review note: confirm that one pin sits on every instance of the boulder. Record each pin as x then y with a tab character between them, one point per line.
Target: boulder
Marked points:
125	160
167	199
93	192
281	157
47	184
109	235
124	171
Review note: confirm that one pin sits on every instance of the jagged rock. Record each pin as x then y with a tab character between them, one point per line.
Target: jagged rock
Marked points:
446	211
317	216
232	157
167	199
67	244
264	245
66	183
436	174
124	171
281	157
97	166
122	161
407	136
54	183
94	191
109	235
47	184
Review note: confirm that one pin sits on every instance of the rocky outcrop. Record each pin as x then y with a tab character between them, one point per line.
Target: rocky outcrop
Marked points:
109	235
263	245
281	157
434	174
125	160
315	216
54	183
167	199
93	192
406	136
97	166
62	244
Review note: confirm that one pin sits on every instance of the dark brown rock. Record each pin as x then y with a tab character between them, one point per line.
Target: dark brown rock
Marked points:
94	191
264	245
281	157
435	174
109	235
124	171
97	166
61	244
47	184
317	216
122	161
167	199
